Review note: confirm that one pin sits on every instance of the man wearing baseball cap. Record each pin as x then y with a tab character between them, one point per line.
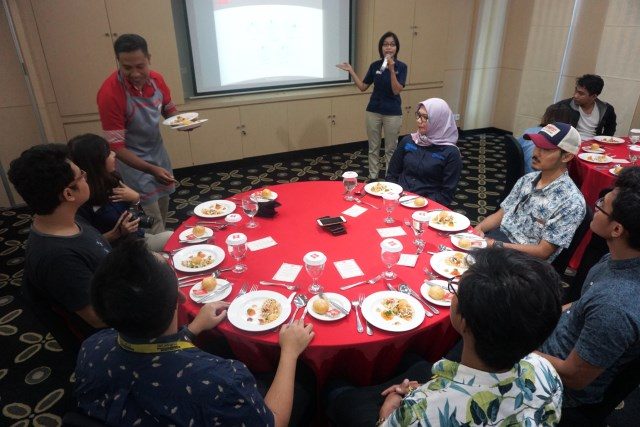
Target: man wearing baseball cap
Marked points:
544	208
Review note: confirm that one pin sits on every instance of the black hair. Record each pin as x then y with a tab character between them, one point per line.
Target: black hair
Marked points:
133	291
130	43
40	175
592	83
395	39
90	153
626	205
556	113
510	301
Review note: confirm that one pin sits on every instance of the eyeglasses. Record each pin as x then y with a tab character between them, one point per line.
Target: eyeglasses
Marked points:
451	289
600	204
388	45
83	175
422	117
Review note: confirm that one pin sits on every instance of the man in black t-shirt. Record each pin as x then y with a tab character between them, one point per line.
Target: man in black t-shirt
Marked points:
62	252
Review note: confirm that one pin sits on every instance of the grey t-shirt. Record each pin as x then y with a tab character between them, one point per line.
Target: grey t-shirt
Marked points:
603	325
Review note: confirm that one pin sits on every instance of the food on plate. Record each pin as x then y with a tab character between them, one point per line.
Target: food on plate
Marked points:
617	169
320	306
379	187
598	158
396	307
266	193
458	259
214	209
444	218
198	231
181	121
197	260
420	201
436	292
209	283
594	147
464	243
268	312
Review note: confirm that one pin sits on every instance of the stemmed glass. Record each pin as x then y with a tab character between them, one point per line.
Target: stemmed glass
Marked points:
634	136
250	208
390	201
350	180
237	248
634	153
390	255
420	223
314	264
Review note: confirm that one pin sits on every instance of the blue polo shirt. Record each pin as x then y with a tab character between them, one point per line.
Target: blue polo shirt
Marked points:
382	100
186	387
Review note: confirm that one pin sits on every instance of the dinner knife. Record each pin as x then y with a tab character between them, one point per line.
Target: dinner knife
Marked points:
369	330
334	304
353	285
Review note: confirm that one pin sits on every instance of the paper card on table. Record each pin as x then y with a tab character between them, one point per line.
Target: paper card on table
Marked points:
391	232
408	260
620	161
287	272
354	211
348	268
264	243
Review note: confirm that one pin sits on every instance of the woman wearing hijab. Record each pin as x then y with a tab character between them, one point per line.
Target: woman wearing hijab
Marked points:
384	111
428	162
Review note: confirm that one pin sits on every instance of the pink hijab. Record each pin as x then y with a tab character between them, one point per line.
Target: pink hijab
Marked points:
441	129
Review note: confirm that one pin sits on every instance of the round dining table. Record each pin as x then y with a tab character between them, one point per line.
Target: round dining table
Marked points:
337	350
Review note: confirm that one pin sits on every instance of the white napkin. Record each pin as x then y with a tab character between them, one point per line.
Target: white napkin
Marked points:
391	232
355	211
287	272
264	243
408	260
620	160
348	268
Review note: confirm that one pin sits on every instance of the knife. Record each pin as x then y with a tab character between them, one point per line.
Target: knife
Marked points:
334	304
290	299
344	288
304	313
369	330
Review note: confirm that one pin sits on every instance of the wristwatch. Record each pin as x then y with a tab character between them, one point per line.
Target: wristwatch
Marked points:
380	421
497	244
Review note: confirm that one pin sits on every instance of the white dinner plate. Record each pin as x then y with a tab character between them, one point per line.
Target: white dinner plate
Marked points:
188	237
195	124
455	240
196	293
216	254
380	188
257	197
224	208
595	158
588	149
609	139
410	201
442	264
339	299
460	222
372	309
446	301
240	317
612	171
171	121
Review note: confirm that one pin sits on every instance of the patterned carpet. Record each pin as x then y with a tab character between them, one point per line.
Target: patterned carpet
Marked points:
35	372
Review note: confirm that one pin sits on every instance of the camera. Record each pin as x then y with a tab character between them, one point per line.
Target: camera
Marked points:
136	212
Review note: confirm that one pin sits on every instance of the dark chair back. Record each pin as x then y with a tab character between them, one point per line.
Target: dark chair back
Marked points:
562	260
515	164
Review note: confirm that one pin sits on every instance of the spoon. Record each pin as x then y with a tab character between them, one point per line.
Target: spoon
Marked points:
299	301
408	224
443	248
405	289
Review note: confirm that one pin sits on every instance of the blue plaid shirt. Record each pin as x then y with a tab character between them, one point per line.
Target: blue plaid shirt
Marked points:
552	213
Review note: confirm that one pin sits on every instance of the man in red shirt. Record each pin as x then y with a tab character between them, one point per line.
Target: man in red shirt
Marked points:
132	101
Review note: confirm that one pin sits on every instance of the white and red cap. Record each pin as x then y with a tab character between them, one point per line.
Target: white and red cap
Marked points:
236	239
391	245
315	258
350	174
556	136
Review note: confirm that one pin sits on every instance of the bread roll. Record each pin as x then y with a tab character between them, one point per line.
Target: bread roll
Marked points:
320	306
420	201
209	283
198	231
266	193
436	292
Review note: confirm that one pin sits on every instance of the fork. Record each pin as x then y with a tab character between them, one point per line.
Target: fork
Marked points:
284	285
243	290
359	201
370	282
356	303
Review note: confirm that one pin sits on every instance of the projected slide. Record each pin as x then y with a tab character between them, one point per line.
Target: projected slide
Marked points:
253	45
269	43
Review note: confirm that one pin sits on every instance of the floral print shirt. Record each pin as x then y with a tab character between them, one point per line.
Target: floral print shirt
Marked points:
530	394
552	213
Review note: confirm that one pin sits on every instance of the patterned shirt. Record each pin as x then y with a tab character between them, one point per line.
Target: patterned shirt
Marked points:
552	213
182	388
529	394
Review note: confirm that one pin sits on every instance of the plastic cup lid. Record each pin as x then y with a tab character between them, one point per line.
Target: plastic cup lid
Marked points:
315	258
236	239
634	131
420	216
350	174
391	245
233	217
634	148
390	196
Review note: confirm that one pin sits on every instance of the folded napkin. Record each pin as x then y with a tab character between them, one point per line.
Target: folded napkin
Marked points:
267	209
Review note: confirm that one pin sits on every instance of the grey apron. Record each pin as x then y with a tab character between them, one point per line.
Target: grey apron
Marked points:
142	137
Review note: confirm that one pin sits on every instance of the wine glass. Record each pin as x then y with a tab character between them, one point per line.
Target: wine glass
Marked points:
634	153
390	201
350	180
237	248
390	255
314	264
634	136
420	223
250	208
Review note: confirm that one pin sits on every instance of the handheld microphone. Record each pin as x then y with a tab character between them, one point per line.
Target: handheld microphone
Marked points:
384	64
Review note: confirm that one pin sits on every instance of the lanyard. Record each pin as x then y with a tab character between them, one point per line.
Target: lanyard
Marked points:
154	347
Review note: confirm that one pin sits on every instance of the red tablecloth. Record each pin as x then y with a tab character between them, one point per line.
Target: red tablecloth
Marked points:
337	349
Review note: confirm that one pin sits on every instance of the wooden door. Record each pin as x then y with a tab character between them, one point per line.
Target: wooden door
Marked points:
219	139
264	129
395	16
348	119
429	48
309	123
